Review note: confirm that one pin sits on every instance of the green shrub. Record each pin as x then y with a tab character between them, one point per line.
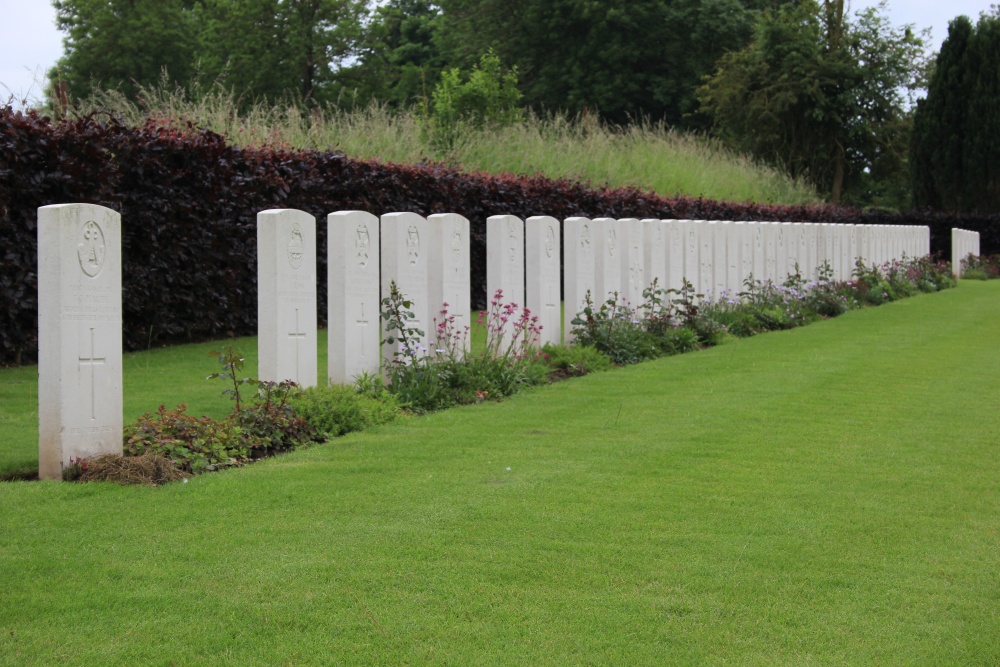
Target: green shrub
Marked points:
979	266
194	444
264	425
488	97
444	373
677	340
614	329
575	360
336	410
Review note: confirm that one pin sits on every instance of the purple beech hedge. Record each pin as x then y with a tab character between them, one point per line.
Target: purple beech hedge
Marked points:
188	202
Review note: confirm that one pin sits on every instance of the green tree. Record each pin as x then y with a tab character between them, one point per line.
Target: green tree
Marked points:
621	60
266	49
275	49
487	97
956	140
123	43
399	59
821	96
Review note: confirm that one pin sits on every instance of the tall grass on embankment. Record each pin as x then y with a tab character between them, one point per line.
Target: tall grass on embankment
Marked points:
646	155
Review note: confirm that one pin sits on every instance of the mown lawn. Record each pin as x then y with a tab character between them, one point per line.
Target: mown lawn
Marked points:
828	495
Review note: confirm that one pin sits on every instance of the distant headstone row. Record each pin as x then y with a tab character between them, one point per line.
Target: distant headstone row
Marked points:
79	283
605	256
963	244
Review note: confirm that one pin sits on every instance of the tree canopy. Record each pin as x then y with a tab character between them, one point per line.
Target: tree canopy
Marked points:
267	49
956	136
616	60
821	95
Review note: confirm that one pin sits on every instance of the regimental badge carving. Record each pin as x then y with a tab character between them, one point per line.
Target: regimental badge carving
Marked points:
512	240
91	248
296	248
413	244
585	237
612	241
550	241
456	243
363	243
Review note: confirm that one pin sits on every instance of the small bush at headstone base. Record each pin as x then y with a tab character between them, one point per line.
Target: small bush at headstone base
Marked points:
336	410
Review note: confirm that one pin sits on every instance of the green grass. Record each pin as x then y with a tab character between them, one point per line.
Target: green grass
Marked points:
645	155
826	495
167	376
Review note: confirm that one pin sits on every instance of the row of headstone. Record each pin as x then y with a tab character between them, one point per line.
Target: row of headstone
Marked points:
427	259
605	256
79	279
963	244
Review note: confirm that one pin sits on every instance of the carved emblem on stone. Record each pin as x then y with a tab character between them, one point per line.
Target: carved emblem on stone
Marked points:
456	242
550	241
413	244
585	237
296	248
512	240
363	242
91	248
612	241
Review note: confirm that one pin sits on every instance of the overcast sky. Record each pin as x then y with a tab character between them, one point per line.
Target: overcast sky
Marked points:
30	43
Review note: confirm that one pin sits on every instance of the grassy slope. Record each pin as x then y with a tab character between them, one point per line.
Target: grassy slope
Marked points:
825	495
644	155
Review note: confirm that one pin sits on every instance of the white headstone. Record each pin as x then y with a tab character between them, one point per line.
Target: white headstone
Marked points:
744	238
866	244
843	248
542	276
706	258
794	248
79	335
352	296
781	251
449	278
404	260
675	254
655	252
286	297
769	234
505	258
720	258
811	251
757	246
734	238
607	260
691	236
578	267
633	280
822	248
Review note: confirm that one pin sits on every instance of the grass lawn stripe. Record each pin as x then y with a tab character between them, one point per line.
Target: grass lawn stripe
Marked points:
827	495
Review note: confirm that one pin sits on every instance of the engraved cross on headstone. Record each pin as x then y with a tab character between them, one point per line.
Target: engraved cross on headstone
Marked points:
298	336
92	362
362	322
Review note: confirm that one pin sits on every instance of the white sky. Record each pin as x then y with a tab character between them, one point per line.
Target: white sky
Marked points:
30	43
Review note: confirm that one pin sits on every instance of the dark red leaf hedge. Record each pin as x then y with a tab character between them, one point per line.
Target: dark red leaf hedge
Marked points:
189	202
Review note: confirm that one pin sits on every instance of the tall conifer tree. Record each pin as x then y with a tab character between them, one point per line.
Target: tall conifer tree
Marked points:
955	153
